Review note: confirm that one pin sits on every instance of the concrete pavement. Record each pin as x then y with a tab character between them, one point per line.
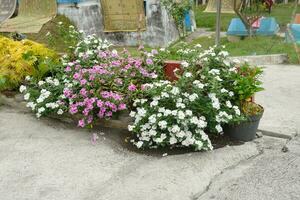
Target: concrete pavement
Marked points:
49	160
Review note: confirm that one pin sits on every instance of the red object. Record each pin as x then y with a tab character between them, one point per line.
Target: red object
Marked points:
169	68
269	3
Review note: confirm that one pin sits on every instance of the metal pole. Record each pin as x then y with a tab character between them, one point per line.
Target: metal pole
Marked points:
218	22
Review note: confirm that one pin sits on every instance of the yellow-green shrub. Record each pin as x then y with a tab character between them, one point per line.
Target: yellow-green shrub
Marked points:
19	59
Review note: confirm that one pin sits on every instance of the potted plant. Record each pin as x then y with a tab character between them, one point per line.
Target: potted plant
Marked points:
246	84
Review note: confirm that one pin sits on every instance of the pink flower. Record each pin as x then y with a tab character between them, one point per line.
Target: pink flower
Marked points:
76	76
81	123
102	54
83	82
85	112
73	109
132	87
83	92
108	114
68	69
67	92
99	103
122	106
90	119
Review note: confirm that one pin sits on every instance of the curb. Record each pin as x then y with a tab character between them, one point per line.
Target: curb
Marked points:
272	59
18	103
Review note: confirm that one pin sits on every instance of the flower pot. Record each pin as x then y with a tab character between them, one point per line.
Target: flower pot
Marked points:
244	131
169	68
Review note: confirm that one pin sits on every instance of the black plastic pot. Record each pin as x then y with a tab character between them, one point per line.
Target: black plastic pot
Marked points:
245	131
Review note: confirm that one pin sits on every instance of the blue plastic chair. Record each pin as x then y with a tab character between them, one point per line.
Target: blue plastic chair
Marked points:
237	28
268	27
68	1
295	30
187	21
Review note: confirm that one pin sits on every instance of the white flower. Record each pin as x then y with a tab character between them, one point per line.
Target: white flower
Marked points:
40	83
228	104
130	127
188	74
175	129
26	96
236	110
56	82
174	112
40	100
181	115
223	90
216	105
60	112
184	64
167	112
219	128
139	144
175	90
22	88
38	115
162	124
193	97
161	110
218	78
188	112
198	45
142	112
194	120
162	49
180	134
198	84
164	94
152	119
224	53
214	72
231	94
115	52
60	23
27	78
180	105
31	105
173	140
154	103
41	109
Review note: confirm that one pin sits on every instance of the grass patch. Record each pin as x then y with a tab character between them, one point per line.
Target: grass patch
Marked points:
252	46
282	13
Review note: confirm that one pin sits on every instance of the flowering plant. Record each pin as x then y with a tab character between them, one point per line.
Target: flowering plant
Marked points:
186	112
95	83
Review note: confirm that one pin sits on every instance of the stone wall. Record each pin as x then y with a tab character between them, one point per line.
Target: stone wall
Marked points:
87	16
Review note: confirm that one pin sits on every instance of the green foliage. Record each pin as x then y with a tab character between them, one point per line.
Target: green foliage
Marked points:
246	82
68	36
177	10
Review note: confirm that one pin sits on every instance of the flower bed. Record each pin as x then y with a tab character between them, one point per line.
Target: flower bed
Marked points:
97	85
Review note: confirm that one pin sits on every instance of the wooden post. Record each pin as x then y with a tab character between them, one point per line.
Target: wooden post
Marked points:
218	23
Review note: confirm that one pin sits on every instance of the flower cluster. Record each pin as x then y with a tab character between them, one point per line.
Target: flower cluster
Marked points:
168	119
186	112
96	83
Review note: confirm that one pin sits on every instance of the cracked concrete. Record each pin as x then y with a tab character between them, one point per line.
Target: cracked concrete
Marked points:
272	175
49	160
45	159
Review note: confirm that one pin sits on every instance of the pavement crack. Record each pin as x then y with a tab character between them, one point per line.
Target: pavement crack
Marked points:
260	150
